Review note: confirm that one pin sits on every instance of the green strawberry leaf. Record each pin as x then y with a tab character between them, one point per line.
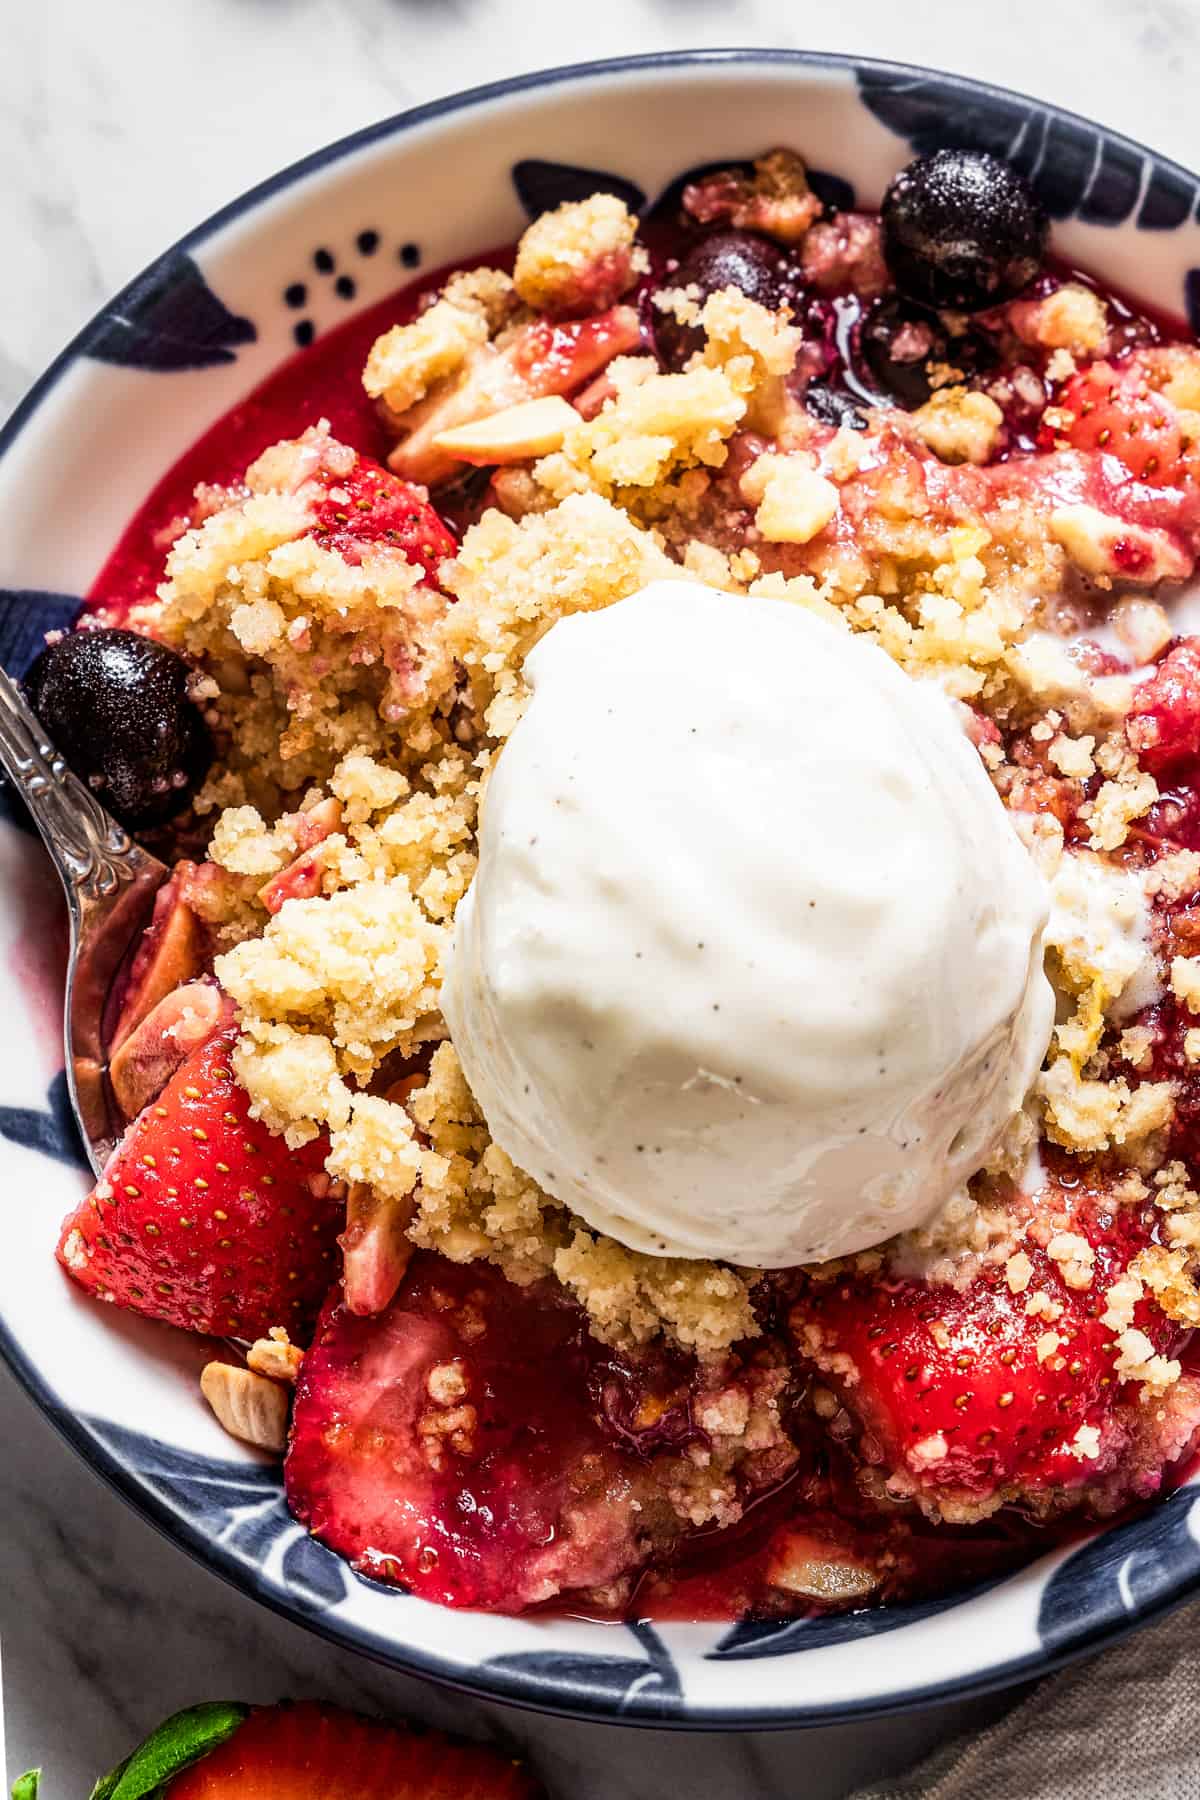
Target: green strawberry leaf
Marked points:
179	1741
26	1786
103	1789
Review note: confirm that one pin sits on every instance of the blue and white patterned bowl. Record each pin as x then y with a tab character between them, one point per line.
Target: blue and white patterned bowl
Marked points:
187	339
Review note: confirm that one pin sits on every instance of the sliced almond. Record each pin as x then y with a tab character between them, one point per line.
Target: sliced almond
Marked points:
169	954
182	1021
1110	549
275	1356
376	1249
817	1577
318	823
248	1405
532	428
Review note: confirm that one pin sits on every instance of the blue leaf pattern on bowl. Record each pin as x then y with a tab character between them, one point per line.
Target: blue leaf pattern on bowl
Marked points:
609	1684
752	1638
52	1131
26	615
1123	1574
541	186
239	1505
170	319
315	1577
1076	170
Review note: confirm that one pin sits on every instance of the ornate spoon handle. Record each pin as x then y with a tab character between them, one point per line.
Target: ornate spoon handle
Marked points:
108	880
94	855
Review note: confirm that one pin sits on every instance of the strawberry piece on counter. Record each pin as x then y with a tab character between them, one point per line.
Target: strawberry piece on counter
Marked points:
203	1218
221	1750
313	1752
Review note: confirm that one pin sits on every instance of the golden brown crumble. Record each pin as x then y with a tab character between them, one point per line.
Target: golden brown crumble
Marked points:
406	362
357	692
578	257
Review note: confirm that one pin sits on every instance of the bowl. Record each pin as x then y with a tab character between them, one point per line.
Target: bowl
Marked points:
183	342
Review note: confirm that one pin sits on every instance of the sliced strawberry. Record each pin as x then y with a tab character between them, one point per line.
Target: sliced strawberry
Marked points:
1163	725
370	507
301	880
205	1220
451	1443
313	1752
979	1395
1116	411
552	357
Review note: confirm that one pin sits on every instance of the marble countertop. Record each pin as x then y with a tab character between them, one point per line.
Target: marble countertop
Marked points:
120	125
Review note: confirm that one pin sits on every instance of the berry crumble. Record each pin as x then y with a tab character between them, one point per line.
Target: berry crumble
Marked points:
307	657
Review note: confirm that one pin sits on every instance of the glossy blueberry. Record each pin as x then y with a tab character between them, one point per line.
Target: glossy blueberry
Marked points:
962	230
834	406
726	259
116	705
901	345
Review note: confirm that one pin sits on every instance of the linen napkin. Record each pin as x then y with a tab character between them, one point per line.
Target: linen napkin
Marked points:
1122	1724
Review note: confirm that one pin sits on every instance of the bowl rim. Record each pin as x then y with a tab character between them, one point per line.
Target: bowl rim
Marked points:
543	1693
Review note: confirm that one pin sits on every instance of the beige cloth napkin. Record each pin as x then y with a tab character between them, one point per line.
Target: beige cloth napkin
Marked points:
1121	1726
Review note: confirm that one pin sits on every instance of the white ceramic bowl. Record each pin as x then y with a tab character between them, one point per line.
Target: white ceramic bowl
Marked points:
167	357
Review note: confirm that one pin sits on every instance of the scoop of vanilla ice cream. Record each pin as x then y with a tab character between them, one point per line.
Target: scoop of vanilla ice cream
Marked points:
752	965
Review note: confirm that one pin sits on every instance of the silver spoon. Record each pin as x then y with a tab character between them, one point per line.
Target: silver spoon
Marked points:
109	881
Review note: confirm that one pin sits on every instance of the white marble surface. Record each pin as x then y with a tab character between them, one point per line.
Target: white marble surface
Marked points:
120	125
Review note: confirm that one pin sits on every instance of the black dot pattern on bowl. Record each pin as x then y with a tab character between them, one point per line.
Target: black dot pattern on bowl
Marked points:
307	295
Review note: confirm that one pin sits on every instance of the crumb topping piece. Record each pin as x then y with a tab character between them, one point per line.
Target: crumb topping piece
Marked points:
580	257
362	671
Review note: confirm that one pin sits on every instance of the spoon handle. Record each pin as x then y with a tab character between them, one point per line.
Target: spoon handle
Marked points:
94	856
108	880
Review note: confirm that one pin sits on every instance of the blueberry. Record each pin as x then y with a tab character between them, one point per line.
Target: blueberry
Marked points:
962	230
726	259
902	345
116	705
834	406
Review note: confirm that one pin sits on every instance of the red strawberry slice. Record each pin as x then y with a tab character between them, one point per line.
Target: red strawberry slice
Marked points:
1163	725
204	1219
313	1752
370	508
1116	411
968	1396
450	1443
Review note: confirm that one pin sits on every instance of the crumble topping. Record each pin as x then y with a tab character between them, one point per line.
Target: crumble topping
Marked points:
959	425
775	199
579	256
371	694
406	362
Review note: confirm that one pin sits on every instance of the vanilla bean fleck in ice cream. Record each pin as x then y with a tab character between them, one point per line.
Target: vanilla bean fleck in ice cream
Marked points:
752	964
